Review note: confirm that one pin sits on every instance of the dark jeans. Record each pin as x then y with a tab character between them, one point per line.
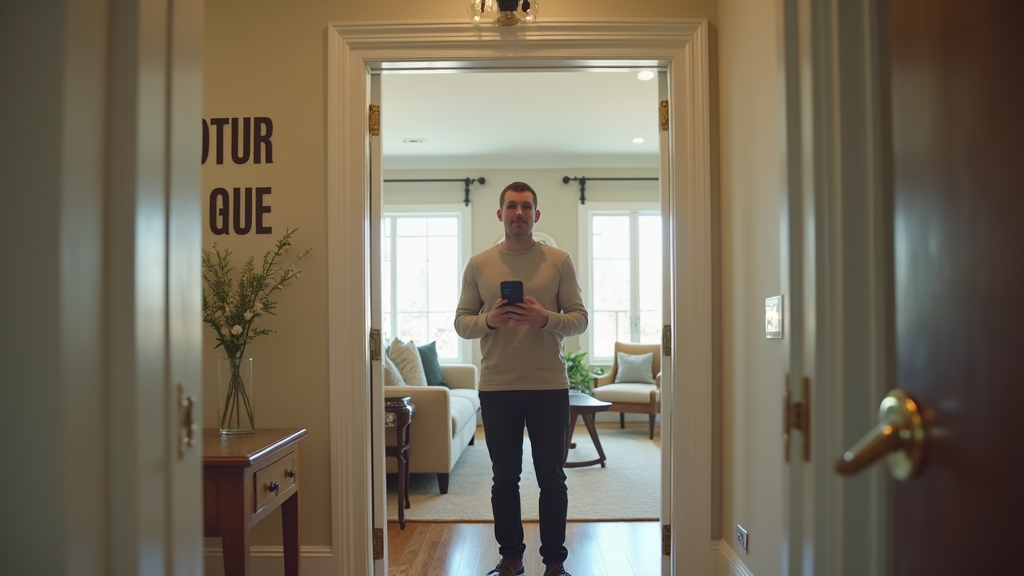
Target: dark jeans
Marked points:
545	414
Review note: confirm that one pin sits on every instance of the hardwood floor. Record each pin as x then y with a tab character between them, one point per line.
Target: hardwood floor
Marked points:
595	549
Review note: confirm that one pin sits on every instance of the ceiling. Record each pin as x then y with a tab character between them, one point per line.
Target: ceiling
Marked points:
519	119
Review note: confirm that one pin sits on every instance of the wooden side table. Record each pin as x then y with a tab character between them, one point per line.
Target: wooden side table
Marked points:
585	406
398	414
245	477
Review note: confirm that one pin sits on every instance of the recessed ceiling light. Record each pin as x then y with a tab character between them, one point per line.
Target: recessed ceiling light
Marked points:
413	140
638	140
645	75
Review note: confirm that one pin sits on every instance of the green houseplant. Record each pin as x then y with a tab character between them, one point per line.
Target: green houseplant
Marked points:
581	375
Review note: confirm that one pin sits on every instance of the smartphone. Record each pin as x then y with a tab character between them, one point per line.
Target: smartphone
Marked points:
512	290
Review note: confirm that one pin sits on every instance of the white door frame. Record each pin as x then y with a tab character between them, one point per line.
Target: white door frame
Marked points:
679	46
839	267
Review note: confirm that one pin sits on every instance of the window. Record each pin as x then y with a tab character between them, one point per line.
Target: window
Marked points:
620	250
423	250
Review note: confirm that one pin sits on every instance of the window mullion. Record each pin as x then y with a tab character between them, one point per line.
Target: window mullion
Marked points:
634	276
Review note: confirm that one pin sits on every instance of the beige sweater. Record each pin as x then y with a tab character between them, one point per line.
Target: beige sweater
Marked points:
516	356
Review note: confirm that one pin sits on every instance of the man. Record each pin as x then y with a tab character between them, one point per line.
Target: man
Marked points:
523	381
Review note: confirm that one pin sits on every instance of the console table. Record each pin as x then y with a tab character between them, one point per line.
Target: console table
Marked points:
245	477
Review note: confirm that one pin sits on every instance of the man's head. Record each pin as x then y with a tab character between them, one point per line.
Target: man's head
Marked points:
517	187
518	210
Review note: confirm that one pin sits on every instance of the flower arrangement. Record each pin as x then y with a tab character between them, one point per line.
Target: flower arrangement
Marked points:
232	310
581	375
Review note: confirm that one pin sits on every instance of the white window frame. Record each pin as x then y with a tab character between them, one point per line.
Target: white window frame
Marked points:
584	268
464	215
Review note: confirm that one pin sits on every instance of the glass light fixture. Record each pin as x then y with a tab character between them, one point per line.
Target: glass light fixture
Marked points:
507	13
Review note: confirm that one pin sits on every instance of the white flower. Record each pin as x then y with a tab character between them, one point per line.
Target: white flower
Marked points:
248	314
236	330
259	306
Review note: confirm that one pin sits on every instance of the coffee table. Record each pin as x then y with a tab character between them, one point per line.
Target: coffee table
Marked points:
585	406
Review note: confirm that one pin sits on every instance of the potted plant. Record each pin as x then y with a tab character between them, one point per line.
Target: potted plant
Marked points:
581	375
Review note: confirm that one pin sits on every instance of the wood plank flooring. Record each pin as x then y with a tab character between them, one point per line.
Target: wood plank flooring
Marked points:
452	549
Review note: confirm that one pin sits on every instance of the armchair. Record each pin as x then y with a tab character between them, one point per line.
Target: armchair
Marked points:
632	397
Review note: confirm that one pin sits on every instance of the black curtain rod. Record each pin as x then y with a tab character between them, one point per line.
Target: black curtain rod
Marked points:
466	181
583	184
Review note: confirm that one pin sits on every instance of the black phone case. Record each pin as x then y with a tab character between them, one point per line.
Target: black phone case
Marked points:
512	290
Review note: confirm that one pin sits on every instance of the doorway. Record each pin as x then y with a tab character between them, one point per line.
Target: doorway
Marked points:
547	128
681	48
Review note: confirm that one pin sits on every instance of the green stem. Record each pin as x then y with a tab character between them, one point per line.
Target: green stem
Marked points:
236	398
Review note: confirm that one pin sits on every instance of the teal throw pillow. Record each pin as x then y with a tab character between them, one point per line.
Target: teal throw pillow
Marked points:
431	366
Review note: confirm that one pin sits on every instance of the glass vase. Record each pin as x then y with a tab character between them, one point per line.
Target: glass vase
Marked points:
234	395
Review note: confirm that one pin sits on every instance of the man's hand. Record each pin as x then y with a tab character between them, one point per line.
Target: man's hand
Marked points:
529	313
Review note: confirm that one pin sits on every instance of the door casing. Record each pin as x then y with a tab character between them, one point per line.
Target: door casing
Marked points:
678	46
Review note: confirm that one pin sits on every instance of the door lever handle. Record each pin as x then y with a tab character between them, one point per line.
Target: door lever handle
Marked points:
899	436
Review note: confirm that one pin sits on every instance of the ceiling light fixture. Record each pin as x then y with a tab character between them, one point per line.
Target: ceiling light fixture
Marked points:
508	13
645	75
638	140
413	140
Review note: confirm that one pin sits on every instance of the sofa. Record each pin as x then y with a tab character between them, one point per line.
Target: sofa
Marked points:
444	424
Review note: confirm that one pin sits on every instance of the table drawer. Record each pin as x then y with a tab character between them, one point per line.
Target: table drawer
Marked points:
274	481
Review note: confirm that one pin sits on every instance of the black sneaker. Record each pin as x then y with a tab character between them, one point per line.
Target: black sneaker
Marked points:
502	570
556	570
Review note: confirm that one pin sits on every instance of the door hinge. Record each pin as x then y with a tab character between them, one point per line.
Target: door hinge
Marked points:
797	416
666	340
663	115
375	344
378	543
666	539
374	120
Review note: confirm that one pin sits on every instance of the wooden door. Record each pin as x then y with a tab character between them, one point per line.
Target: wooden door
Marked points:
957	92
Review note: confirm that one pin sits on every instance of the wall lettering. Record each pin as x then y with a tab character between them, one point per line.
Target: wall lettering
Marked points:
237	212
248	139
245	134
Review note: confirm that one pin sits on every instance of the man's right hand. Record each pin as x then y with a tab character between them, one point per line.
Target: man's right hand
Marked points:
500	315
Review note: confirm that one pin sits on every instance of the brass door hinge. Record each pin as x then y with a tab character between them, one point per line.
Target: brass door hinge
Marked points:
374	343
797	416
378	543
666	340
666	539
374	120
663	115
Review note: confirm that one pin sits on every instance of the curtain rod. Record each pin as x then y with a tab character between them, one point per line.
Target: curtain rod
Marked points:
466	181
583	184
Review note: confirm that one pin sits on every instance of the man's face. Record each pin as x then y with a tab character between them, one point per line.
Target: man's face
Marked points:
518	214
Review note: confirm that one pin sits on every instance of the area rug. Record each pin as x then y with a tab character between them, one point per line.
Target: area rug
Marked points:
628	488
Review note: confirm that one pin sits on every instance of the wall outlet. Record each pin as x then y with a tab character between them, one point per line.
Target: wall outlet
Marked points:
741	538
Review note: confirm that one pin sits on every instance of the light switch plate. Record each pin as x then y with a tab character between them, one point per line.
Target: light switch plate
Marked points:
773	317
741	538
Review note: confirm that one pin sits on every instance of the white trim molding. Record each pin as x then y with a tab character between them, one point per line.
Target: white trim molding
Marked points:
679	47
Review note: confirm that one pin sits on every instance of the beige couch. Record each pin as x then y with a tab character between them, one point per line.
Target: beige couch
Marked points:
444	424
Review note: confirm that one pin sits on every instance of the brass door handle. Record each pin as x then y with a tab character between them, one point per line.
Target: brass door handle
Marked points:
899	436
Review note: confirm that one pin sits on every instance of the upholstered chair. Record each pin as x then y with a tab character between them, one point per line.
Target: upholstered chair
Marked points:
632	388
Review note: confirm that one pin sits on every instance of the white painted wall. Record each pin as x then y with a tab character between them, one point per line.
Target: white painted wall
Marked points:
752	161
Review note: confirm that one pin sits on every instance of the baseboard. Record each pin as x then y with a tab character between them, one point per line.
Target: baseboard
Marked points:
729	563
269	561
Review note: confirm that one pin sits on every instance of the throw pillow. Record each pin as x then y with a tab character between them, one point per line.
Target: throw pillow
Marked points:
406	357
392	377
635	368
431	366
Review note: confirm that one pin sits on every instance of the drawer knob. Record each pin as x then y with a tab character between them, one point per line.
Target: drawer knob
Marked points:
290	472
273	487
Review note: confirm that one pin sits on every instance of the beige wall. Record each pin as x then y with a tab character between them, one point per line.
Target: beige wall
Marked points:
752	178
266	58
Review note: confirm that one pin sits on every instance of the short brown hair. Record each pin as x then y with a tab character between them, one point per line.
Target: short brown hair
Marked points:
517	187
